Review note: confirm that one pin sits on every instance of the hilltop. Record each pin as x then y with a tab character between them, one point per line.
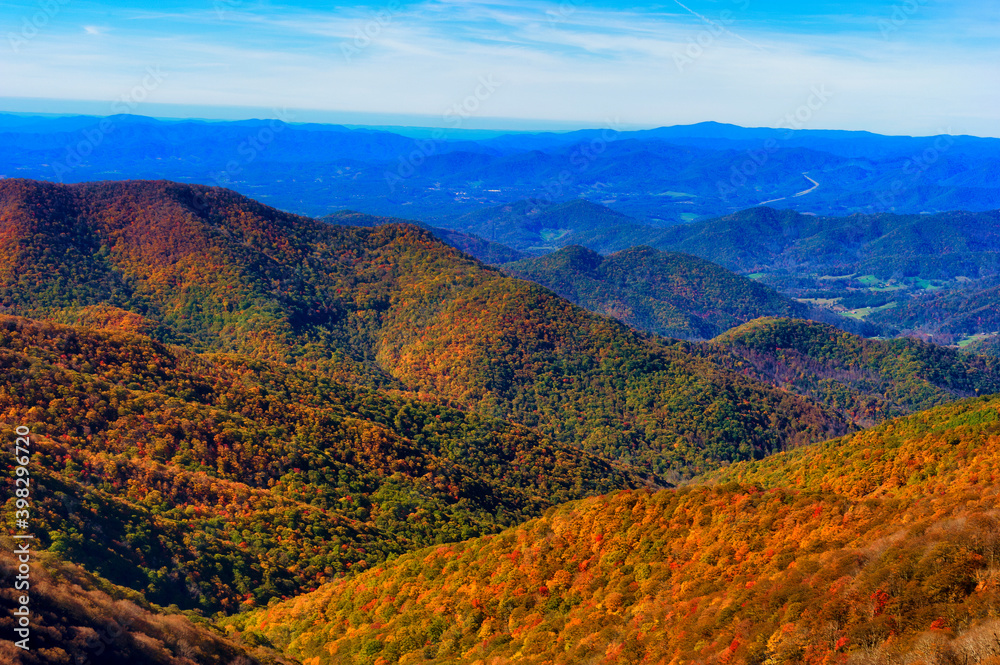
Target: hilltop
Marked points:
486	251
865	380
670	294
539	225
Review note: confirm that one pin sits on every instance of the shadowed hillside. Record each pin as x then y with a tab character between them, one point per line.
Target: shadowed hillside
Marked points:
77	617
866	380
675	295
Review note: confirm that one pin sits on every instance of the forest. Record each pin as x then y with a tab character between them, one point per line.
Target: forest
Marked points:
876	548
268	437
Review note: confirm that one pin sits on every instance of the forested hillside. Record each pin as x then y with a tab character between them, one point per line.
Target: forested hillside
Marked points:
972	308
670	294
486	251
866	380
537	226
878	274
876	548
375	436
214	481
764	239
77	617
388	307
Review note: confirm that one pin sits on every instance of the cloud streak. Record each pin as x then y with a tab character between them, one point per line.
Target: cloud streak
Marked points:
575	62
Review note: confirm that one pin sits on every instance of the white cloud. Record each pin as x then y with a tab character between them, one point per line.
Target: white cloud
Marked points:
578	64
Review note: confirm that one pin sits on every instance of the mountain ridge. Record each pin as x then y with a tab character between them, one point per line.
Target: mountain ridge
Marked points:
670	294
325	168
386	307
350	426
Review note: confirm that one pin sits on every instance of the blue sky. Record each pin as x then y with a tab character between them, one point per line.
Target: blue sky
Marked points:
905	67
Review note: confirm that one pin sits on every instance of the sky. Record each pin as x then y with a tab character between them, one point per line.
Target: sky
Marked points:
917	67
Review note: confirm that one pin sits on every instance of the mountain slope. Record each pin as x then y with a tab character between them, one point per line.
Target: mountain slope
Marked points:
866	380
485	250
79	618
214	481
540	225
986	346
932	273
764	239
674	295
949	315
879	547
389	307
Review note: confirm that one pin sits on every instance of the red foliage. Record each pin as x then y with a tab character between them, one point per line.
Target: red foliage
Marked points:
880	599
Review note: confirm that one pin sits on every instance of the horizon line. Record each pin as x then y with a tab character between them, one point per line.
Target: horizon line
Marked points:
393	123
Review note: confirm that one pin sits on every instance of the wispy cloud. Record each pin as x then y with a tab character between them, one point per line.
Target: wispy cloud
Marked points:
574	61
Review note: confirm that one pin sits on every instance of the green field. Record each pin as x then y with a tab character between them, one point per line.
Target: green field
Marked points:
819	302
550	235
864	312
962	343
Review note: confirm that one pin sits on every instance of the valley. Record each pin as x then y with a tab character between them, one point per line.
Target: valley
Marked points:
246	419
504	332
440	178
876	546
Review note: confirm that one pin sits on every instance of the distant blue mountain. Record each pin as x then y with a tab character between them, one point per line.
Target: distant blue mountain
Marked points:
660	177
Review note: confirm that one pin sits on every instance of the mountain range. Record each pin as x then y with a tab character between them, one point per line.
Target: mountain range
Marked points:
286	439
386	307
663	176
878	275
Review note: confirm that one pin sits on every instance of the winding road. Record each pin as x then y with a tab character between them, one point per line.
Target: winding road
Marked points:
802	193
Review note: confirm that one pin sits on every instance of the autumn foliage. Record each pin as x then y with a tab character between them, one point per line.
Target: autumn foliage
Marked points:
388	307
877	548
216	481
